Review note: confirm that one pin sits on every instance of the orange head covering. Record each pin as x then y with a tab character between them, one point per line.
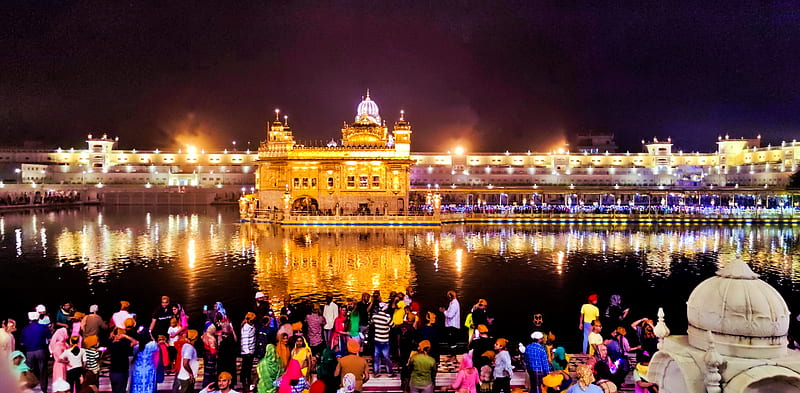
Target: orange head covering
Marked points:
424	345
431	317
124	305
250	316
90	341
353	346
297	326
501	342
224	375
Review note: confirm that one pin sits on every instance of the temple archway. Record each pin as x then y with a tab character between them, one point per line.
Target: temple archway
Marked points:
305	204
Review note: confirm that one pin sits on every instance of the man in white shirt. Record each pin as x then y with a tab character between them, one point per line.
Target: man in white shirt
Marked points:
452	320
118	318
188	371
248	341
330	312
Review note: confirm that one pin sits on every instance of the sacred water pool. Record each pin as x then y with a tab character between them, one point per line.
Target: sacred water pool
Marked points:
199	255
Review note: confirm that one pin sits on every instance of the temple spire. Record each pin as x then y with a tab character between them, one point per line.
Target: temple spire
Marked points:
277	115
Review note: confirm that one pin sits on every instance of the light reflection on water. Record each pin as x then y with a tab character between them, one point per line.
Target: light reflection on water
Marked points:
200	255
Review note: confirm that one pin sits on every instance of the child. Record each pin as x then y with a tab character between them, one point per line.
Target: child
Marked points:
486	371
75	358
467	378
92	354
173	332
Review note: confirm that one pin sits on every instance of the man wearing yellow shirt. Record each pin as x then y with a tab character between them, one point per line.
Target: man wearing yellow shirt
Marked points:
589	312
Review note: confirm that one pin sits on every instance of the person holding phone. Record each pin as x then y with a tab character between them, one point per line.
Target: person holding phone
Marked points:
223	384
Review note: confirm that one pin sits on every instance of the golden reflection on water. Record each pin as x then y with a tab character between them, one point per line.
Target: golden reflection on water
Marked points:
302	262
308	262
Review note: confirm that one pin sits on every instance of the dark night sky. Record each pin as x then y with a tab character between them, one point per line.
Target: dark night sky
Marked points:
491	75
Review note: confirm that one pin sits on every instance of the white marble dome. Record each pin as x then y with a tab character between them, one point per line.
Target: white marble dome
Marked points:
368	110
746	316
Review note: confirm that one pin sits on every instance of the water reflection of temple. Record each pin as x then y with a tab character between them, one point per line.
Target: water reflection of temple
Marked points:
307	263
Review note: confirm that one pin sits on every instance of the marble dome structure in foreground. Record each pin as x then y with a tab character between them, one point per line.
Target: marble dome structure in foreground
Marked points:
736	340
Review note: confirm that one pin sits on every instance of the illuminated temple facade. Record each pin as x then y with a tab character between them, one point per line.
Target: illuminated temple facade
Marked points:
368	172
372	167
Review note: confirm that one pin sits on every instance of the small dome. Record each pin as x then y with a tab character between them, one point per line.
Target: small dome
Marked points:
368	110
747	316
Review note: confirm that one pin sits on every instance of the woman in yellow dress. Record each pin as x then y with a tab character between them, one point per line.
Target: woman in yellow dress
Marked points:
302	353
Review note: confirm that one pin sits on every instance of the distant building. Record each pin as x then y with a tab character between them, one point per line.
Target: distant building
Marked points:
594	142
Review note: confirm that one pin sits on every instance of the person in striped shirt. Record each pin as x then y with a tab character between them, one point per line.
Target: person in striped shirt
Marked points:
382	322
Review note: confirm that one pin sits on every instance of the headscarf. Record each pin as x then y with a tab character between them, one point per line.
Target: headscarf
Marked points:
585	376
58	343
269	368
292	373
284	353
559	358
615	300
18	370
466	362
348	383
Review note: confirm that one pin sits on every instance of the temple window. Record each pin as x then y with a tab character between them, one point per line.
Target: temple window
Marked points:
363	181
376	181
330	182
351	181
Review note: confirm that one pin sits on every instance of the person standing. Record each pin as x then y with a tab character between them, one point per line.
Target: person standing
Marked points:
353	364
59	344
248	342
75	360
382	324
467	378
269	369
121	350
34	338
452	321
315	323
261	307
589	312
160	323
189	365
7	342
92	324
502	367
423	370
118	318
330	312
536	361
63	316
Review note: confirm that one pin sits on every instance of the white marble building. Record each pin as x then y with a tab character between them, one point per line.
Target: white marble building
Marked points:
736	341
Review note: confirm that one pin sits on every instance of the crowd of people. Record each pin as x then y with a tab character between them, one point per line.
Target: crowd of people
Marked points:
316	347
